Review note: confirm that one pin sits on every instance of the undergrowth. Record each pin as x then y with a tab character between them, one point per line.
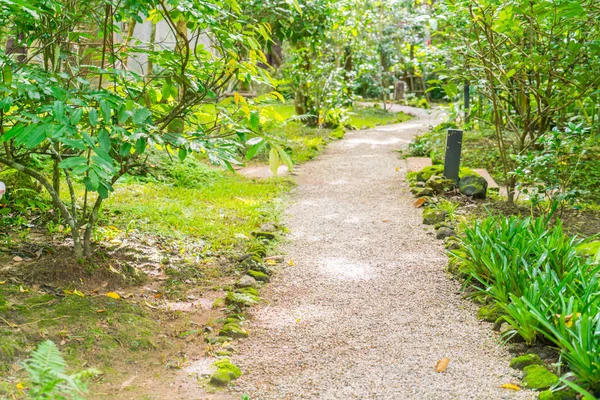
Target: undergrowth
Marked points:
545	282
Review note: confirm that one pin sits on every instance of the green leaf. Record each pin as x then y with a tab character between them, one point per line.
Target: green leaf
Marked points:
7	76
451	90
58	110
274	160
12	133
140	145
73	162
93	116
123	115
254	120
511	73
182	153
76	116
92	181
104	140
255	149
141	115
37	136
285	157
105	110
125	149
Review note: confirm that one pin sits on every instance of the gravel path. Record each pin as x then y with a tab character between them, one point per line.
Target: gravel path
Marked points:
367	310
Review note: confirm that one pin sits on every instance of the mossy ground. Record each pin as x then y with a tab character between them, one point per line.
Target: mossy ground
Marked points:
537	377
165	238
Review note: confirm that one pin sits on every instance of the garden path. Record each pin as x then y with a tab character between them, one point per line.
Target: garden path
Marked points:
368	309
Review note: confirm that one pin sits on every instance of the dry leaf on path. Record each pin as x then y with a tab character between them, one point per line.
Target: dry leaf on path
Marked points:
510	386
113	295
442	365
419	202
291	263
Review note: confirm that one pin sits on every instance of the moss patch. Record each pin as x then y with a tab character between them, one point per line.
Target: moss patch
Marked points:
259	276
491	313
561	395
525	360
432	216
537	377
225	373
233	330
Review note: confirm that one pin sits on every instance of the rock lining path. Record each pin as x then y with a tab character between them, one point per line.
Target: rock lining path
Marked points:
367	310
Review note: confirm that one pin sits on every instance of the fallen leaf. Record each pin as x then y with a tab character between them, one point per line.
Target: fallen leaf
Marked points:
510	386
150	305
2	282
22	290
271	262
384	220
113	295
442	365
100	311
17	259
20	386
397	169
419	202
158	295
291	263
78	293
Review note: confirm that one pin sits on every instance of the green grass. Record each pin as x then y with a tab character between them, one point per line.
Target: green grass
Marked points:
305	143
197	202
370	117
93	329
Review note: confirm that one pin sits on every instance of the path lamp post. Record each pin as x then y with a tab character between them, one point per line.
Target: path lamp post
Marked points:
453	149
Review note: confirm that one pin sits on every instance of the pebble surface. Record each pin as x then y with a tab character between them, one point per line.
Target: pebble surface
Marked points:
367	310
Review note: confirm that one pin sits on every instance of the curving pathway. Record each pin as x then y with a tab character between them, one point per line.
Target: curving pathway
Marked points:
367	310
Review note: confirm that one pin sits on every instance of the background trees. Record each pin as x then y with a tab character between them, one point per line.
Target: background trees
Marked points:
70	105
535	63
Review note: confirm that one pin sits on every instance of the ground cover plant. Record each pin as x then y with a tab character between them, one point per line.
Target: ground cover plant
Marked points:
542	282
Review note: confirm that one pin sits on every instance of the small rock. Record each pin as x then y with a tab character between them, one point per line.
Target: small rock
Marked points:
432	217
221	378
425	192
525	360
234	331
473	185
269	227
440	185
259	276
537	377
505	327
277	259
517	348
544	352
444	233
246	281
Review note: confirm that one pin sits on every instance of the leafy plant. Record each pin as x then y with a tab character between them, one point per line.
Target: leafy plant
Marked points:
545	283
549	172
48	378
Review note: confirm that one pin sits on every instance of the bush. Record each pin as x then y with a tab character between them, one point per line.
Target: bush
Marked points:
543	282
